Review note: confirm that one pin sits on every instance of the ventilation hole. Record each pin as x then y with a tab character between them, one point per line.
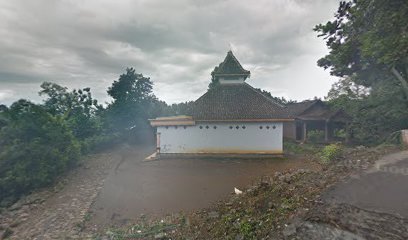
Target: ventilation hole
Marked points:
243	127
237	127
175	127
167	127
274	127
185	127
267	127
231	127
215	127
260	127
201	127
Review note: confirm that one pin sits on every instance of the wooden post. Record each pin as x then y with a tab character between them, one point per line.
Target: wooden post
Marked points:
326	131
348	132
304	131
404	136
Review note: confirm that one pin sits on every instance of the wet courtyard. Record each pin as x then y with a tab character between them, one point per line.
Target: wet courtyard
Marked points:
135	187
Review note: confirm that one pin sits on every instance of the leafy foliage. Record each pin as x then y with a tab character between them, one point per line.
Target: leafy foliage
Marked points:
283	101
77	108
35	147
132	95
368	42
214	81
315	136
331	152
160	108
292	147
38	142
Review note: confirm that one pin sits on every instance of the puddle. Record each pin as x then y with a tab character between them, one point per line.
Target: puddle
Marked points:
138	187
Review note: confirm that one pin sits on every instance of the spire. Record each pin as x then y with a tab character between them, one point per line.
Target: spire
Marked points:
230	69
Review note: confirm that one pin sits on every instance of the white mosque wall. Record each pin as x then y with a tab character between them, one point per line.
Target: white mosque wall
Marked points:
228	137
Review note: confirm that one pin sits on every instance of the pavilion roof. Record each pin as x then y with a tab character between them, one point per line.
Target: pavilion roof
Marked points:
230	67
296	109
315	110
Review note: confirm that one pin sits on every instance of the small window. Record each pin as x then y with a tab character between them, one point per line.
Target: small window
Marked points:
185	127
215	127
237	127
260	127
201	127
243	127
267	127
230	127
167	127
274	127
175	127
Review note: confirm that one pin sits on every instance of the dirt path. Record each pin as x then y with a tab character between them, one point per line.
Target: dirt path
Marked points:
59	213
371	205
382	188
156	188
112	188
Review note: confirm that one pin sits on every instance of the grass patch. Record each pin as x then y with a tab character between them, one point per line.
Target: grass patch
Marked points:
141	231
330	153
292	147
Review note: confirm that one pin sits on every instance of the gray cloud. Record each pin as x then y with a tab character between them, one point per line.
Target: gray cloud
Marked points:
176	43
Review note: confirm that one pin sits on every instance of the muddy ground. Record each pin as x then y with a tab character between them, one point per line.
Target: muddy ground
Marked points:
116	195
288	205
118	187
137	187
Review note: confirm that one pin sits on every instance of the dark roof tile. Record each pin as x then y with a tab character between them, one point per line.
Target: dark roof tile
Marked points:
236	102
315	110
230	67
295	109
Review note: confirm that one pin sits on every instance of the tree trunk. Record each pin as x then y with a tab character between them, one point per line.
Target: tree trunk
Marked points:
400	78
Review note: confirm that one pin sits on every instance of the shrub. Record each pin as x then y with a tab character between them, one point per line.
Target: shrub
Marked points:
331	152
99	142
247	229
35	148
315	136
295	148
340	133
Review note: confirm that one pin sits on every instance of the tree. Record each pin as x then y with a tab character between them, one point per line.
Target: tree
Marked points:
3	120
183	108
160	109
347	88
77	108
35	148
282	101
368	42
132	95
214	81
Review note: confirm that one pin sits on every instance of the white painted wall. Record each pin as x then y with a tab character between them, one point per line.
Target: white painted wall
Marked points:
252	139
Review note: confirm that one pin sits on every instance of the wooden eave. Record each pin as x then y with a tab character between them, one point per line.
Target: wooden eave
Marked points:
172	121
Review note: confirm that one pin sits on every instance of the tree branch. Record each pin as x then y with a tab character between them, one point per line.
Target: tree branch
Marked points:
400	78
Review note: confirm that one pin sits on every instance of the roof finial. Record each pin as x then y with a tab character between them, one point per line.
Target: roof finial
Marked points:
230	68
230	46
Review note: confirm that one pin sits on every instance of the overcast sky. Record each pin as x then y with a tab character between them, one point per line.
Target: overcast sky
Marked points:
89	43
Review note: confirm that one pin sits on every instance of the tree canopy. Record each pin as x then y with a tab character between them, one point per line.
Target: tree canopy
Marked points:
35	147
132	96
77	107
368	43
